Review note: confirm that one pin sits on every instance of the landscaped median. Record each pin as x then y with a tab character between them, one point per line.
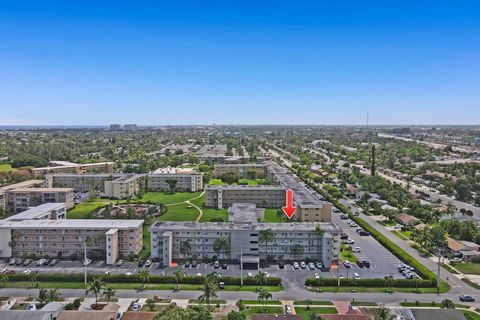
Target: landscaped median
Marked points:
120	281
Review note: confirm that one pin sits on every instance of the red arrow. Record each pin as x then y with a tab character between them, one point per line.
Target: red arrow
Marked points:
289	210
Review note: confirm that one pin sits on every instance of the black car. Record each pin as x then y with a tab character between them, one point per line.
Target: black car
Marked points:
343	217
141	263
363	263
466	298
224	266
344	236
363	233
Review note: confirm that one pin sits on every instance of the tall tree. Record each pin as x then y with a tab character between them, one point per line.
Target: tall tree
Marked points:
96	285
144	276
319	233
266	236
109	293
178	275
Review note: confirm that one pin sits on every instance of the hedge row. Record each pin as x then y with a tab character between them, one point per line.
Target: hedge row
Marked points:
398	283
121	278
392	247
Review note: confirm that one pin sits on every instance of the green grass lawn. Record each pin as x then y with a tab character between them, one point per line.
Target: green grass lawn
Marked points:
266	310
179	212
272	217
387	223
399	234
468	267
470	315
216	182
169	198
269	302
313	303
82	210
210	213
6	167
347	255
305	311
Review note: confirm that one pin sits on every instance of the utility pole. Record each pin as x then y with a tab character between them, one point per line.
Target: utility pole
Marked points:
438	271
84	260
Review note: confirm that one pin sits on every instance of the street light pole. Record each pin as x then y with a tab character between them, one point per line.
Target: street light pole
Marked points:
438	271
84	260
241	266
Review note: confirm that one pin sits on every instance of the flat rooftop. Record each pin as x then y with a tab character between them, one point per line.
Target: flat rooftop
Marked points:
287	226
45	190
93	224
212	150
234	165
23	184
37	211
245	187
244	212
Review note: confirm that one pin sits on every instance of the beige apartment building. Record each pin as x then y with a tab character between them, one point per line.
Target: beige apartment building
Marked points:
21	199
124	187
80	182
243	232
106	239
247	170
265	196
99	167
24	184
185	182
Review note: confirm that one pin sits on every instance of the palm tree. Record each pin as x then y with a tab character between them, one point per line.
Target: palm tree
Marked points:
209	291
151	304
144	276
263	296
96	285
222	245
319	232
383	313
388	283
178	278
43	296
266	236
261	278
34	278
54	295
109	293
185	248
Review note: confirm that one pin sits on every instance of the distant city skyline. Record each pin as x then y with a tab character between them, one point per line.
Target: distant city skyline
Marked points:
300	63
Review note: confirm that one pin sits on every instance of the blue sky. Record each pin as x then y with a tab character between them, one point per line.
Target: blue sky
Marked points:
239	62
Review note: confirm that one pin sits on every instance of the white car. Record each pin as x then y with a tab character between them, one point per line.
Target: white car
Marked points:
317	276
250	274
303	265
356	276
296	265
86	262
348	241
26	272
40	262
136	307
357	249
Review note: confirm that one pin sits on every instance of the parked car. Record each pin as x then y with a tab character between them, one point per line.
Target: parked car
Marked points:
343	217
250	274
86	262
466	298
356	276
281	265
26	272
194	264
53	262
119	263
224	266
148	263
363	263
141	263
40	262
221	285
303	265
349	241
46	262
311	266
344	236
19	262
11	262
296	265
136	307
317	276
357	249
26	262
319	265
288	309
346	264
216	264
363	233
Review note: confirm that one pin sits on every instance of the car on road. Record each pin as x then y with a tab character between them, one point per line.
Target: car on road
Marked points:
86	262
357	249
119	263
466	298
288	309
53	262
26	262
363	233
344	236
347	264
26	272
319	265
11	262
349	241
136	307
148	263
221	285
303	265
296	265
216	264
311	266
194	264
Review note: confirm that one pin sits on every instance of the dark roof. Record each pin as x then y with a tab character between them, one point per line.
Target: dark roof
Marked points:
438	314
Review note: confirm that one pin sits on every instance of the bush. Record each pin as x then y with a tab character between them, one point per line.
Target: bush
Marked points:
372	283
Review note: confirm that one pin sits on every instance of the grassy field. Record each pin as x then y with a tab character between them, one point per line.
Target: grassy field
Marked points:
313	303
210	213
272	217
179	212
6	167
399	234
82	210
262	310
269	302
470	315
169	198
468	267
347	255
306	311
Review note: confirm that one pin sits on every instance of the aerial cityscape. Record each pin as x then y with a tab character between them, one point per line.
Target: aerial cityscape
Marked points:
247	161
